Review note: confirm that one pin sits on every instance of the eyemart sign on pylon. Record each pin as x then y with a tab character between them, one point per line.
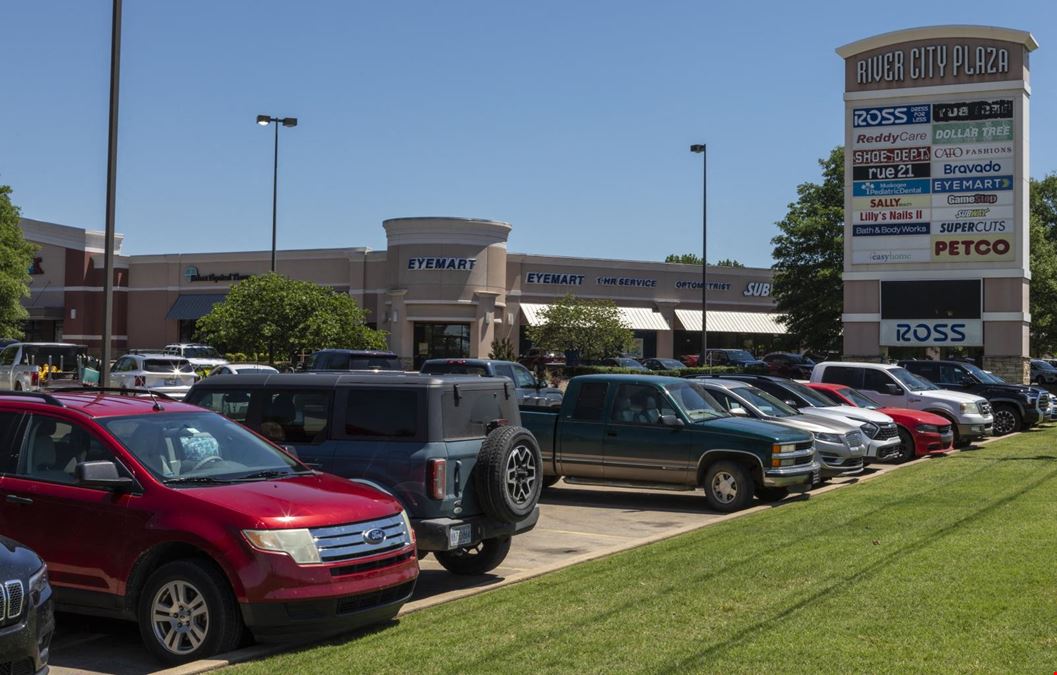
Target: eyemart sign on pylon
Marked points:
936	177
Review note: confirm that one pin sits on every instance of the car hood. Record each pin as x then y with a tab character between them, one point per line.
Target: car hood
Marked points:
948	396
818	424
910	416
17	561
740	426
207	362
316	500
849	412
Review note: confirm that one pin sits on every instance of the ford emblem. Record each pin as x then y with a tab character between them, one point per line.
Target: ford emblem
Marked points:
375	536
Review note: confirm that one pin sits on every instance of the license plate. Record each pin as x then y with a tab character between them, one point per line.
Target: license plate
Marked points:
172	381
460	536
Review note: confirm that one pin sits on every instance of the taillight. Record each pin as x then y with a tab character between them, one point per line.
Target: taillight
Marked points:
34	378
139	381
437	478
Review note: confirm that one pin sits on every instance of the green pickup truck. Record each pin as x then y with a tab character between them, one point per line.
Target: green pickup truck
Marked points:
665	432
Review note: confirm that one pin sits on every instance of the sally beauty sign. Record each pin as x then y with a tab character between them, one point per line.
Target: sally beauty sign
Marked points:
936	170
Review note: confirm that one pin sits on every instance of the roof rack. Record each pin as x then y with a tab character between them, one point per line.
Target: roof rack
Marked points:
47	398
116	390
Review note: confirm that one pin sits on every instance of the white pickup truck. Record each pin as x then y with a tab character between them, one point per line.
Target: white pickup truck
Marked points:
29	366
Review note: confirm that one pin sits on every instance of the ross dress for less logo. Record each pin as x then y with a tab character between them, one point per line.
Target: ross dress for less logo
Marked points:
896	115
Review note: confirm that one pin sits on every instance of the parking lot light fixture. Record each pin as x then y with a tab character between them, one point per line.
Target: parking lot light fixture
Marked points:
265	120
702	150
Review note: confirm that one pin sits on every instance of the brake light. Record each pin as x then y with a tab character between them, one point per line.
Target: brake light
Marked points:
34	378
436	478
139	381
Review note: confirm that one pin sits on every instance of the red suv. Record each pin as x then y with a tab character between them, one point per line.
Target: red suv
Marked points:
192	526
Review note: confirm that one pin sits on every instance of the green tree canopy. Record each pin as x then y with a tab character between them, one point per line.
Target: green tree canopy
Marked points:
594	328
271	314
694	259
1043	203
16	257
809	259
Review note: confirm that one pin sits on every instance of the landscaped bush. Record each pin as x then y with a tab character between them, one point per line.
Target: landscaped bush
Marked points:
573	371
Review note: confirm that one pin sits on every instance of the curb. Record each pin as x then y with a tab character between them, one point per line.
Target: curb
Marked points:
261	651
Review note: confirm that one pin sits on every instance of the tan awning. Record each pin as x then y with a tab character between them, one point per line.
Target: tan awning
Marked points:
636	318
763	323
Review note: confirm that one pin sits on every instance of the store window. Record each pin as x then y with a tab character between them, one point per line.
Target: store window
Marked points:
441	341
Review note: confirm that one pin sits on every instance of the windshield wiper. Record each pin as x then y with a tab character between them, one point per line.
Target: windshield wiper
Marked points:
195	479
272	473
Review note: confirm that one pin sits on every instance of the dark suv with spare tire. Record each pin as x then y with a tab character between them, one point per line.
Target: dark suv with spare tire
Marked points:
449	447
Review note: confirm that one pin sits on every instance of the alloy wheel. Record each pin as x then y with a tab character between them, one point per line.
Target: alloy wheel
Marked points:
1005	422
521	474
180	617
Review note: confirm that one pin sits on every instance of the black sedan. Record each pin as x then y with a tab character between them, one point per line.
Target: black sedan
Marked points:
664	364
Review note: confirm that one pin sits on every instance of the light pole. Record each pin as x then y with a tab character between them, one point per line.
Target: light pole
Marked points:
703	151
265	120
111	195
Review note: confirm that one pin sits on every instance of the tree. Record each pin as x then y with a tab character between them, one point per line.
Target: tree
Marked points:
593	328
502	350
809	259
1043	206
271	314
16	257
694	259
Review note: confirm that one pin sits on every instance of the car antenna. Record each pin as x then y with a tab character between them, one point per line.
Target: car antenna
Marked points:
157	406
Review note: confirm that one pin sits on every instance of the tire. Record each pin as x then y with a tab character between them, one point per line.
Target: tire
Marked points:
204	589
1007	419
728	487
508	475
907	450
478	559
18	386
771	494
550	481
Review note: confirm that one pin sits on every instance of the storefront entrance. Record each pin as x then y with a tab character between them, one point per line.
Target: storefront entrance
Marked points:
441	341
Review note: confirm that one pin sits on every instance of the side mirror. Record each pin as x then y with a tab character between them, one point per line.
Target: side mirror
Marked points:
739	412
290	450
791	403
893	389
671	421
102	475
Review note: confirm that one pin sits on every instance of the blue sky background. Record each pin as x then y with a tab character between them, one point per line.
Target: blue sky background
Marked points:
570	120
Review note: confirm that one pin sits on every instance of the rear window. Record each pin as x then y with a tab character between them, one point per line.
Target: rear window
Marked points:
385	413
64	357
340	361
474	412
234	405
167	366
454	369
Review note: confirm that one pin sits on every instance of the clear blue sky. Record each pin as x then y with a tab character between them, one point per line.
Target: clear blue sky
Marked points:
570	120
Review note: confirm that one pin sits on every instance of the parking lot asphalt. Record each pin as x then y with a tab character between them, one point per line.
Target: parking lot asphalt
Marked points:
577	523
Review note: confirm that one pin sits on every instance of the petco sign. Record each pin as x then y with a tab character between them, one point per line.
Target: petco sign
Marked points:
929	332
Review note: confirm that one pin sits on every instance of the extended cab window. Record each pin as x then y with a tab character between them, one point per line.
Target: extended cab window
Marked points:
639	404
591	401
234	405
296	416
384	413
853	377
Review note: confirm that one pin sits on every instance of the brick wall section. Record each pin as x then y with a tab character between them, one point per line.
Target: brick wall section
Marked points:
1014	369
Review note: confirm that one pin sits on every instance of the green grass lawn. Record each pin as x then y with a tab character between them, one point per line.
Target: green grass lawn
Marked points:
949	565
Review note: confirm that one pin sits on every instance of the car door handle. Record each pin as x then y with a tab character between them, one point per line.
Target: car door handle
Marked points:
15	499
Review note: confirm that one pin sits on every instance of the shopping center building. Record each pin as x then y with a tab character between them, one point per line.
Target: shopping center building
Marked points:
443	287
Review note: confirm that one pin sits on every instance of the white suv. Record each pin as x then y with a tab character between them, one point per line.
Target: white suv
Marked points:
202	357
163	373
896	387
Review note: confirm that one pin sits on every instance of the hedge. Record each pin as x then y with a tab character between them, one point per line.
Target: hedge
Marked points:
573	371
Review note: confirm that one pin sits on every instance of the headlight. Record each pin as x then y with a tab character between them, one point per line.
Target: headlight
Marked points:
298	544
928	428
970	408
870	429
38	583
407	524
830	438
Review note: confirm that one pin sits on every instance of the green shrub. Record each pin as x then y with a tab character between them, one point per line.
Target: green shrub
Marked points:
573	371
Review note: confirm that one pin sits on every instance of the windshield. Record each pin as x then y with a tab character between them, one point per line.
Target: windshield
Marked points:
671	364
63	357
740	356
199	447
982	375
911	381
628	363
1043	365
814	398
696	403
167	366
860	399
201	353
767	404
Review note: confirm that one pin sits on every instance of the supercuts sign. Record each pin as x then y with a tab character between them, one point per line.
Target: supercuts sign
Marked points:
930	62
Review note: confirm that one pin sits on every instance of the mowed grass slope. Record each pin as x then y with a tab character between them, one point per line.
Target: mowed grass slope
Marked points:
949	565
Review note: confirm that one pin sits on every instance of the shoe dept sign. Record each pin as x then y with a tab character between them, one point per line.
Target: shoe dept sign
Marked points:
936	161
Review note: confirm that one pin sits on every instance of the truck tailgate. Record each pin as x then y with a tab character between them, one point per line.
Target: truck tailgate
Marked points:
542	424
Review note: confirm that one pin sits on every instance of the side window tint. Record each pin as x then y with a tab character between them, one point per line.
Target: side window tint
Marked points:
52	449
852	377
9	424
504	371
876	380
374	413
949	375
590	402
523	378
234	405
296	416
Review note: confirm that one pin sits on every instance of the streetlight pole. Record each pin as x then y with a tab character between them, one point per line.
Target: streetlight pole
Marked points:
111	184
703	151
265	120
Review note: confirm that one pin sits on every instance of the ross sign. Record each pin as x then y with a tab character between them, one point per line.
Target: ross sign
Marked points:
932	332
435	263
557	279
896	115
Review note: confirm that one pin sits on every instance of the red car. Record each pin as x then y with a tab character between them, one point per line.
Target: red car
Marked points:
194	527
922	433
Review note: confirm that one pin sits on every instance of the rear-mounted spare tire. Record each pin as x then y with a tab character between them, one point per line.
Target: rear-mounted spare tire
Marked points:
508	476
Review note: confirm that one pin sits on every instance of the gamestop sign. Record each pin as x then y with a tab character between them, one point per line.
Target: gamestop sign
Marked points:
932	333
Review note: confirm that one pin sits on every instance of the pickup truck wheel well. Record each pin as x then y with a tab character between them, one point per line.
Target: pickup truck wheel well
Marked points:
754	468
156	557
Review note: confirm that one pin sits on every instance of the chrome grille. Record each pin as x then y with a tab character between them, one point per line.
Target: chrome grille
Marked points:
348	542
11	602
1044	403
985	408
887	430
